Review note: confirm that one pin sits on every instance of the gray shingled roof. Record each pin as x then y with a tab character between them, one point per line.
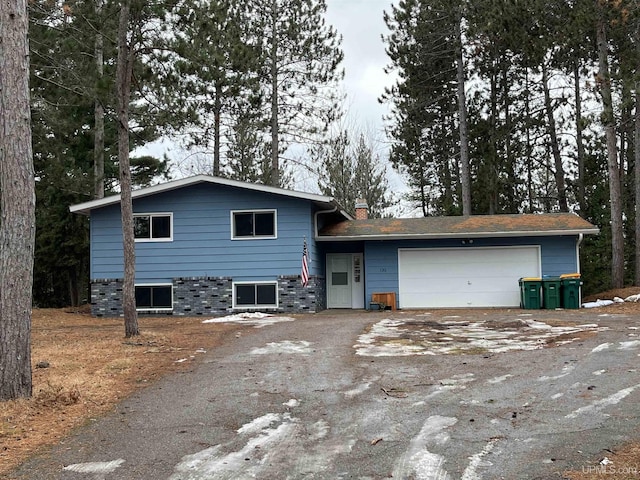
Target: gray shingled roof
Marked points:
505	225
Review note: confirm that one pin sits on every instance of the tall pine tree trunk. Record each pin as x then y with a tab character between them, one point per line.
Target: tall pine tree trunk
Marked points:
512	181
17	203
465	170
579	142
217	111
123	93
615	189
492	171
98	139
274	176
553	139
527	108
637	183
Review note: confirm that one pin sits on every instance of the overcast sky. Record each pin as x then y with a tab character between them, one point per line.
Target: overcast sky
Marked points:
361	25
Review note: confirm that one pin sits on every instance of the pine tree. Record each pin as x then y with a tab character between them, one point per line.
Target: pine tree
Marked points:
348	170
215	70
421	46
66	90
300	68
370	180
615	194
17	204
124	72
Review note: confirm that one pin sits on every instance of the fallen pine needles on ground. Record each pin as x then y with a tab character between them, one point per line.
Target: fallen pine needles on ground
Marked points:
83	366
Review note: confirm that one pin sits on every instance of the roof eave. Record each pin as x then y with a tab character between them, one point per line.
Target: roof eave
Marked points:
86	207
438	236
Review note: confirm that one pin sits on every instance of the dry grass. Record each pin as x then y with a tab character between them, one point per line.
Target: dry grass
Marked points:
622	464
610	294
91	367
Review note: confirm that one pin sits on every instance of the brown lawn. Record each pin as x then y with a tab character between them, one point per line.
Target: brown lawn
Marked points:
91	367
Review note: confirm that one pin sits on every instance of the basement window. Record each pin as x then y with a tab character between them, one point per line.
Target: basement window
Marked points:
255	294
154	297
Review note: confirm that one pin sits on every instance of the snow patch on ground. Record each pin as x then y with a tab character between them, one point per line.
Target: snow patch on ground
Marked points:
95	467
211	464
476	461
603	402
286	346
500	379
261	445
258	424
458	380
597	303
419	336
357	390
257	319
417	461
601	347
566	370
629	345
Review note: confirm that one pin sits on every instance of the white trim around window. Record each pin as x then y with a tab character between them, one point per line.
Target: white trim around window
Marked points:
155	297
255	224
156	227
251	295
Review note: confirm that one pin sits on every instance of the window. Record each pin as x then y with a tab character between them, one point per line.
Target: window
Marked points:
153	227
255	295
339	278
154	297
257	224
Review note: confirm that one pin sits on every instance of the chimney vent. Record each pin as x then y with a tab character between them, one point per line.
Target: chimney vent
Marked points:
362	209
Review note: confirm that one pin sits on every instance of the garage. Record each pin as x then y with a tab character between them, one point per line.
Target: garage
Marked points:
464	277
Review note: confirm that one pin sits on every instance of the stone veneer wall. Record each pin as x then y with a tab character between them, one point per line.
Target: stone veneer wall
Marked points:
106	298
195	296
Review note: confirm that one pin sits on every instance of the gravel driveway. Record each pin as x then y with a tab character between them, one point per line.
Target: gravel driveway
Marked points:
359	395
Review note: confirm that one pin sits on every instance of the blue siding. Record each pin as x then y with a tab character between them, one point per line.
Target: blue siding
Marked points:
202	244
558	256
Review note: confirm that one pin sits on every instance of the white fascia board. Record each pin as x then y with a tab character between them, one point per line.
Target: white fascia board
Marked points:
436	236
86	207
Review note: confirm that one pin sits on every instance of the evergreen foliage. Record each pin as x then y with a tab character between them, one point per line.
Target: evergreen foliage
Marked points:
299	72
348	170
64	88
245	80
538	108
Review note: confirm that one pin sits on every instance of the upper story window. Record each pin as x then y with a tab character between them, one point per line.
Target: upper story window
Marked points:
153	227
254	224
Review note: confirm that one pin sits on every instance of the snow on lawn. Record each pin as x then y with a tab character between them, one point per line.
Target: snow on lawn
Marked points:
392	337
257	319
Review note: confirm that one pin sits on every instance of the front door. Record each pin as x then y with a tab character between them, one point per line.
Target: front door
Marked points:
339	268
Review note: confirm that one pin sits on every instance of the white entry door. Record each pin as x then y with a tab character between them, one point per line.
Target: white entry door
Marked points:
339	279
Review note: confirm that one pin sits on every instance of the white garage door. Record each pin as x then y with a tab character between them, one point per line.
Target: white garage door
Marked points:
464	277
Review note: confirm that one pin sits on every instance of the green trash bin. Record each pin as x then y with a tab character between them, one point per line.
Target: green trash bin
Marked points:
571	290
551	292
530	293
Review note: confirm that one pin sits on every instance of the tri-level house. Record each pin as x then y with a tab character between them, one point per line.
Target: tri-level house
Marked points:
210	246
